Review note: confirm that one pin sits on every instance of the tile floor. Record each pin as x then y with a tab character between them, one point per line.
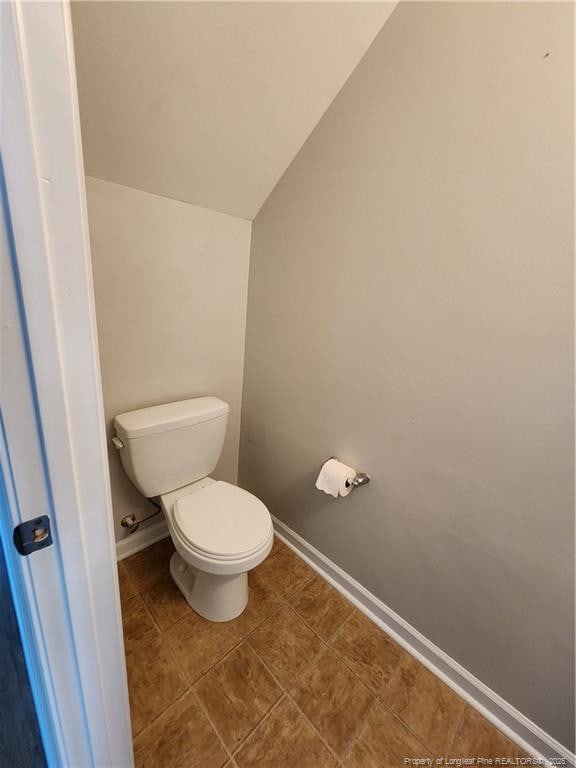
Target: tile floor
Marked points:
300	680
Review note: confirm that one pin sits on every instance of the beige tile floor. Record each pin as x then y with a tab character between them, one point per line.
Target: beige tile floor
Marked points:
300	680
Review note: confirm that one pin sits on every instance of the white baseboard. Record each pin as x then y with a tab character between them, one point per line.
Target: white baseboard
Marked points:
529	736
143	537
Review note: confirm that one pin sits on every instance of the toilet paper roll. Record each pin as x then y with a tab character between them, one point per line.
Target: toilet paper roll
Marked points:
335	478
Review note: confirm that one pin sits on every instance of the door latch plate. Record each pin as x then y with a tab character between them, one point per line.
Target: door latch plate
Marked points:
32	535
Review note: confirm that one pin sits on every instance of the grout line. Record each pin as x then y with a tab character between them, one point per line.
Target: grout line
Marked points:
271	615
215	664
349	618
358	732
378	697
207	716
176	661
178	666
286	694
188	689
323	647
242	638
398	717
139	640
201	705
359	728
384	703
375	695
158	716
286	605
140	593
356	736
268	714
283	547
379	700
500	715
374	701
312	629
460	720
292	700
149	612
353	671
312	659
314	728
301	588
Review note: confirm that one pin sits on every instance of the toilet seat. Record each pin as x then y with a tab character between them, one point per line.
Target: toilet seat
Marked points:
220	532
222	522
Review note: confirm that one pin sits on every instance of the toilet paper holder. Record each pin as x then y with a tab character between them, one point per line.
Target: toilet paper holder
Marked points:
361	478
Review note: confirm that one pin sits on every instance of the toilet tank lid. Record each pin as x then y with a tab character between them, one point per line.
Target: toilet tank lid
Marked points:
169	416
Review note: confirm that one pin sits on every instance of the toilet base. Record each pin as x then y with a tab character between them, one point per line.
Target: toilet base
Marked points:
216	598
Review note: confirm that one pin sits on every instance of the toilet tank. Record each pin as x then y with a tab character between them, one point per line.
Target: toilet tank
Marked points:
168	446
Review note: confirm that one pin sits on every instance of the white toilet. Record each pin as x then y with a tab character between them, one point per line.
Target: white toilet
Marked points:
220	531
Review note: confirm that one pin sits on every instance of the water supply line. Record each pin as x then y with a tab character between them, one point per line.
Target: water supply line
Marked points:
132	523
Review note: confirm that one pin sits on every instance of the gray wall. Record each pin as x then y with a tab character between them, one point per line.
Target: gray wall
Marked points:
410	311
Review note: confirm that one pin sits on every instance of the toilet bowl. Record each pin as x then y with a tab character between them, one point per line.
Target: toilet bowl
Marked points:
220	531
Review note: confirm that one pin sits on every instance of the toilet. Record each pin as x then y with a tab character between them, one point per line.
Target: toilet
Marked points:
220	532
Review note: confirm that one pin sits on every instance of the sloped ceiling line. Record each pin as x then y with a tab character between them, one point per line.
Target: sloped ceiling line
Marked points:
209	102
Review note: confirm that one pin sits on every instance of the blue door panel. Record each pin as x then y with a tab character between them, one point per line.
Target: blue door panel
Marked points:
20	742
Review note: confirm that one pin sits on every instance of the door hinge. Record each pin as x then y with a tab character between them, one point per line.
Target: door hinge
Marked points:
32	535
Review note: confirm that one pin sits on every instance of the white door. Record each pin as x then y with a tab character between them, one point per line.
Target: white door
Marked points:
37	583
52	441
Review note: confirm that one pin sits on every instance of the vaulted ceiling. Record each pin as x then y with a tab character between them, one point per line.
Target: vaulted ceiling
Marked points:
209	102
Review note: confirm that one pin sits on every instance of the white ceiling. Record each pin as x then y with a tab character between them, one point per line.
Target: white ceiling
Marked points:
209	102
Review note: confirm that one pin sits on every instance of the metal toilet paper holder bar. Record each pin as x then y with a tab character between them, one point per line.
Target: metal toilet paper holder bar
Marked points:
361	478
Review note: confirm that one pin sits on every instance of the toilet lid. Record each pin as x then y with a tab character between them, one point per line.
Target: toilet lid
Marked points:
222	520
